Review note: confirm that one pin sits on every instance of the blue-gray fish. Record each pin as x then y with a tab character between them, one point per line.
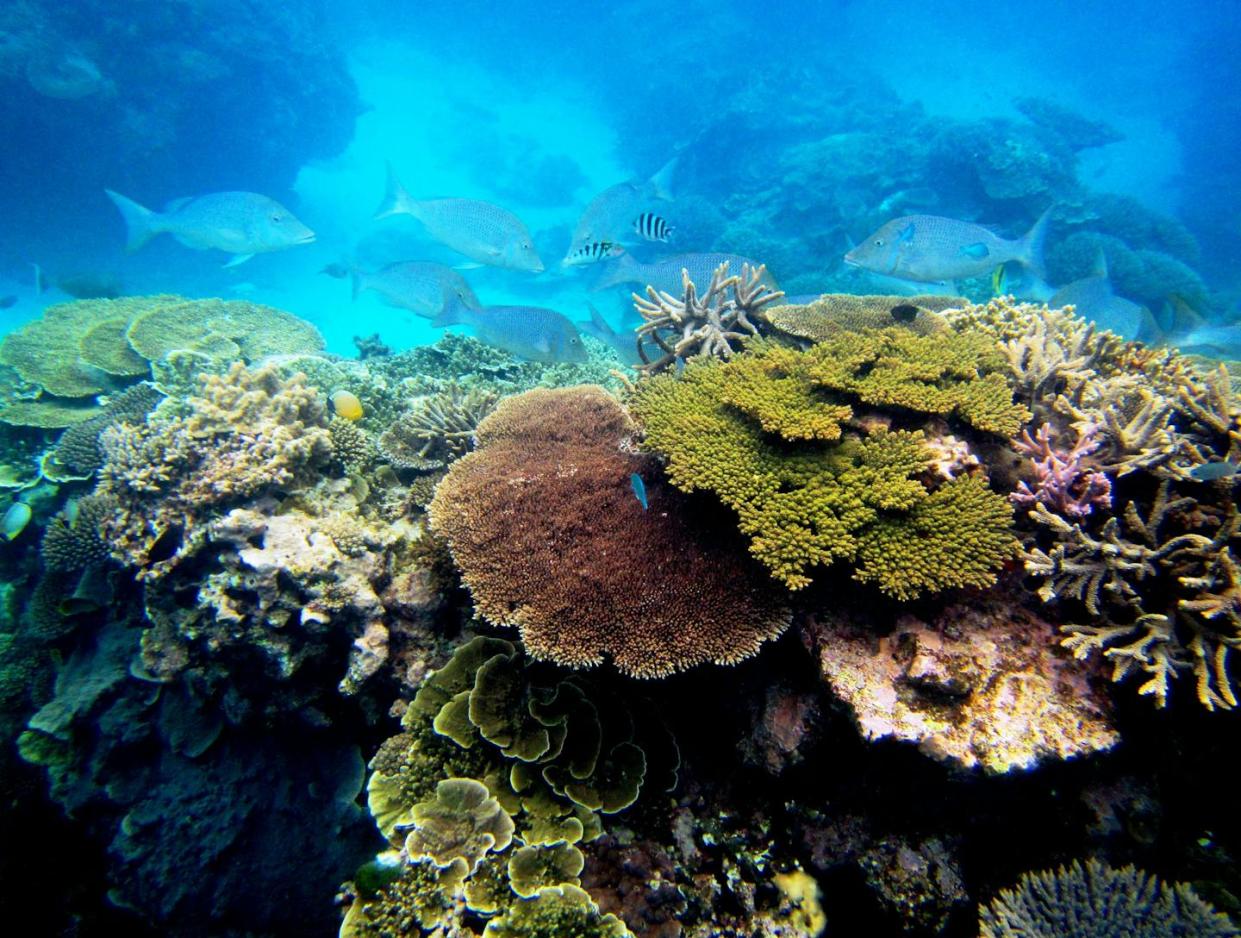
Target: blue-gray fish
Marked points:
625	346
611	214
1211	471
241	223
421	287
929	247
1093	299
1211	341
666	274
530	332
482	231
639	489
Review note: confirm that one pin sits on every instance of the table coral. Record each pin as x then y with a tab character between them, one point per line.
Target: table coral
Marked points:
978	686
737	429
543	522
834	313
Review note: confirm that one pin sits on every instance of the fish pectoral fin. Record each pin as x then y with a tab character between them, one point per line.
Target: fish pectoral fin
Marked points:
976	250
906	233
237	260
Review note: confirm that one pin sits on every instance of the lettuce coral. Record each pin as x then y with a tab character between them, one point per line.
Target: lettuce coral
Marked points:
543	522
763	434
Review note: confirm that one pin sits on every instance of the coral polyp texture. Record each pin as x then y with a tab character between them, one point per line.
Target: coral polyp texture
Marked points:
783	438
543	522
1093	900
834	313
244	433
978	686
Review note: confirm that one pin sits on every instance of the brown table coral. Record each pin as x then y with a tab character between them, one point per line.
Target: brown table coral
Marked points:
544	524
982	685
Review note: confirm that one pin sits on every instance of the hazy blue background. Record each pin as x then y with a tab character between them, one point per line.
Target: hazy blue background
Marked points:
538	106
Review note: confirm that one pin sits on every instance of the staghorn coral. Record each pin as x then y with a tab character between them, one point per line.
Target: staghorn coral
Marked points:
1094	900
834	313
847	497
437	429
246	432
710	325
979	686
543	523
1061	480
1160	591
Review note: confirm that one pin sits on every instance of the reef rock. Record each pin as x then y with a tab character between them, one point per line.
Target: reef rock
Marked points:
980	685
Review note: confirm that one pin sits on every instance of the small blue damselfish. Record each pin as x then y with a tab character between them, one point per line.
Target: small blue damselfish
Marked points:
639	489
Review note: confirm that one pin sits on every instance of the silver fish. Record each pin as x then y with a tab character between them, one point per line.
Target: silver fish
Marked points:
1093	299
624	345
652	227
530	332
929	247
421	287
590	253
610	215
482	231
1211	471
666	274
241	223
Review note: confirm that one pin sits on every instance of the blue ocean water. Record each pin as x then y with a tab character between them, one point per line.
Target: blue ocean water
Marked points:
789	133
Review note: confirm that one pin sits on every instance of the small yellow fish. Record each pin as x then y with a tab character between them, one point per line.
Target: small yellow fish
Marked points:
346	404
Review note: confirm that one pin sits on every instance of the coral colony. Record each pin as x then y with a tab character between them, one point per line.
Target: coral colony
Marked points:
923	531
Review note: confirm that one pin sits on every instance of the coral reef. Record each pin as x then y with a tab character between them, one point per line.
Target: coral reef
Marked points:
437	429
1096	899
980	685
737	429
77	453
543	522
833	313
1062	482
710	325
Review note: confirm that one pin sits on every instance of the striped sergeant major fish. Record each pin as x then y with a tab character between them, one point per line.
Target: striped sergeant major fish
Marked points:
589	253
652	227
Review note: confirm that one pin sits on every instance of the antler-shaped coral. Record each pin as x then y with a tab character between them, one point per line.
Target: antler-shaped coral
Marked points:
702	326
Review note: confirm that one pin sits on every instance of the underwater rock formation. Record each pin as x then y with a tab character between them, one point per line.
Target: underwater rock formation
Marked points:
543	522
983	685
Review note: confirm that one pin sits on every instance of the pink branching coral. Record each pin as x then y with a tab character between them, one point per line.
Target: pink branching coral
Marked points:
1062	481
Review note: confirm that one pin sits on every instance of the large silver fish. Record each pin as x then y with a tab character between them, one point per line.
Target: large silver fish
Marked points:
482	231
666	274
624	344
612	214
1094	299
530	332
421	287
929	247
241	223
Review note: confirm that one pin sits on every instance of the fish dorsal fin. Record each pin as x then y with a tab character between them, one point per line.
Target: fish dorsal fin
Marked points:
1100	264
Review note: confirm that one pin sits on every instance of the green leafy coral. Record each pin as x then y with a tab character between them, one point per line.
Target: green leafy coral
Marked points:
813	486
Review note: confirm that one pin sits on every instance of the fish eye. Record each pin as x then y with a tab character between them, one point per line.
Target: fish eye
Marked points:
276	217
879	242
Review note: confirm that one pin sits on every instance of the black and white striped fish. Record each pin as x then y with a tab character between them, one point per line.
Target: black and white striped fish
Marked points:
652	227
592	252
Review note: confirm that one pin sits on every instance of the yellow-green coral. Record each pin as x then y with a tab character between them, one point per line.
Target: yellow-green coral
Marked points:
952	374
809	503
422	896
834	313
556	912
532	868
462	822
221	329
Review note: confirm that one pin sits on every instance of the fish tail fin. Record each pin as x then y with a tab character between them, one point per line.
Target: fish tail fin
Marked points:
661	182
597	320
141	224
1100	264
620	269
357	282
1030	248
396	200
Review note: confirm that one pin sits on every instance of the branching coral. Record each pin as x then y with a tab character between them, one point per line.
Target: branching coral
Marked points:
1062	481
711	324
1095	899
543	522
737	429
437	429
245	433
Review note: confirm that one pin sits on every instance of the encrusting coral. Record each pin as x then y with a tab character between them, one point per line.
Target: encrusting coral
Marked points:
246	432
981	685
702	324
766	436
543	521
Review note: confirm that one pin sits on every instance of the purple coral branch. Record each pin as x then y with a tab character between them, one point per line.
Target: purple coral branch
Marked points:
1061	480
